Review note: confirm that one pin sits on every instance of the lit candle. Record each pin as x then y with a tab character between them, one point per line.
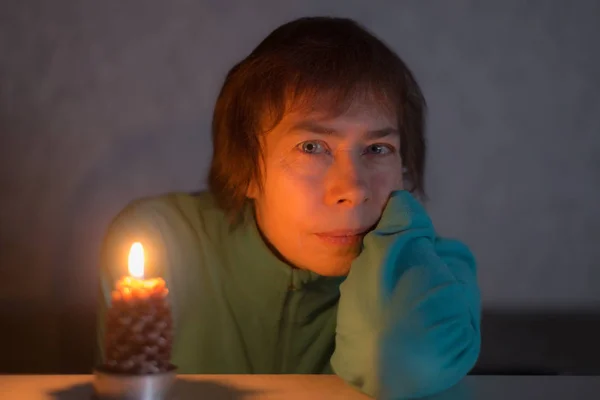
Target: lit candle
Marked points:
139	328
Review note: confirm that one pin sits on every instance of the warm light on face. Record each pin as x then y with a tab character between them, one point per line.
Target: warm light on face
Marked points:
309	192
136	260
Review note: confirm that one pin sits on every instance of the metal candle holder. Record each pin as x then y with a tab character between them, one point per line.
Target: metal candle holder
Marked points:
119	386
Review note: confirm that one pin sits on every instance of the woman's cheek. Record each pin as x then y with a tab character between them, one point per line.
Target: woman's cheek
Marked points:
381	185
399	183
301	167
386	177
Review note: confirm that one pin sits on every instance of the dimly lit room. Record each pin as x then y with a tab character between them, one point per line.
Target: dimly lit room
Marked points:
318	199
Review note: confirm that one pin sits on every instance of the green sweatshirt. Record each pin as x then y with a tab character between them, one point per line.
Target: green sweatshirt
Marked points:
403	323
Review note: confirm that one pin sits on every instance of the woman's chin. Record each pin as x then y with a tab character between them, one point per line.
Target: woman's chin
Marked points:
338	265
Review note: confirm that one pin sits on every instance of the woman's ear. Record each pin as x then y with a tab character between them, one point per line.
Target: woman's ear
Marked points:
252	190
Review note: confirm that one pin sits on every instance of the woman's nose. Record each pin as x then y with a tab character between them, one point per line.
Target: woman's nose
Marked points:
346	182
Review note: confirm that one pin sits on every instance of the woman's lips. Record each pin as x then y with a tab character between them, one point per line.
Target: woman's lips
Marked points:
342	237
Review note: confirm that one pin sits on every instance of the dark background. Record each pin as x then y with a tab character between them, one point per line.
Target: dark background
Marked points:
102	102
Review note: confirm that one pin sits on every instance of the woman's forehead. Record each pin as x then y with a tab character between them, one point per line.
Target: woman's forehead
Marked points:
331	108
332	103
368	124
365	113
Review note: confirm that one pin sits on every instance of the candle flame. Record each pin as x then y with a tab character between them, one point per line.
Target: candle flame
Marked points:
136	260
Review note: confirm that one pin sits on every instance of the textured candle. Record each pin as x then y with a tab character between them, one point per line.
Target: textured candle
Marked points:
139	326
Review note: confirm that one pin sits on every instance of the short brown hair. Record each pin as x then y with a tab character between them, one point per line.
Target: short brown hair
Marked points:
310	62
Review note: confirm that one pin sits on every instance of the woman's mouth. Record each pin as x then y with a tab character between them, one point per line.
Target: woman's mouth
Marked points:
342	237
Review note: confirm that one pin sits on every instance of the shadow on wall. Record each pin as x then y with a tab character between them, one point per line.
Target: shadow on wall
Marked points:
541	343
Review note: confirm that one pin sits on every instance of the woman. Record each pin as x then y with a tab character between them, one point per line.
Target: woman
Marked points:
309	253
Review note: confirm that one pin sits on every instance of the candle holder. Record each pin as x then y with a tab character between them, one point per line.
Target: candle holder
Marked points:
109	385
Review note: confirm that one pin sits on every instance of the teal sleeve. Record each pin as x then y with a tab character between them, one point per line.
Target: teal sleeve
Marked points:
409	311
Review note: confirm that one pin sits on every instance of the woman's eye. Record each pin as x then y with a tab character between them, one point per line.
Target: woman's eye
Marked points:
378	149
312	147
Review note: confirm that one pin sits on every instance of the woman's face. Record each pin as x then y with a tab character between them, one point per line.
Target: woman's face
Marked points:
325	184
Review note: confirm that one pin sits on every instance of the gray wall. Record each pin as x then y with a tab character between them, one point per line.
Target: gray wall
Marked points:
102	102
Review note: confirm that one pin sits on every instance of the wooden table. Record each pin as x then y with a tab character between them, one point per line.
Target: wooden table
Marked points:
312	387
78	387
